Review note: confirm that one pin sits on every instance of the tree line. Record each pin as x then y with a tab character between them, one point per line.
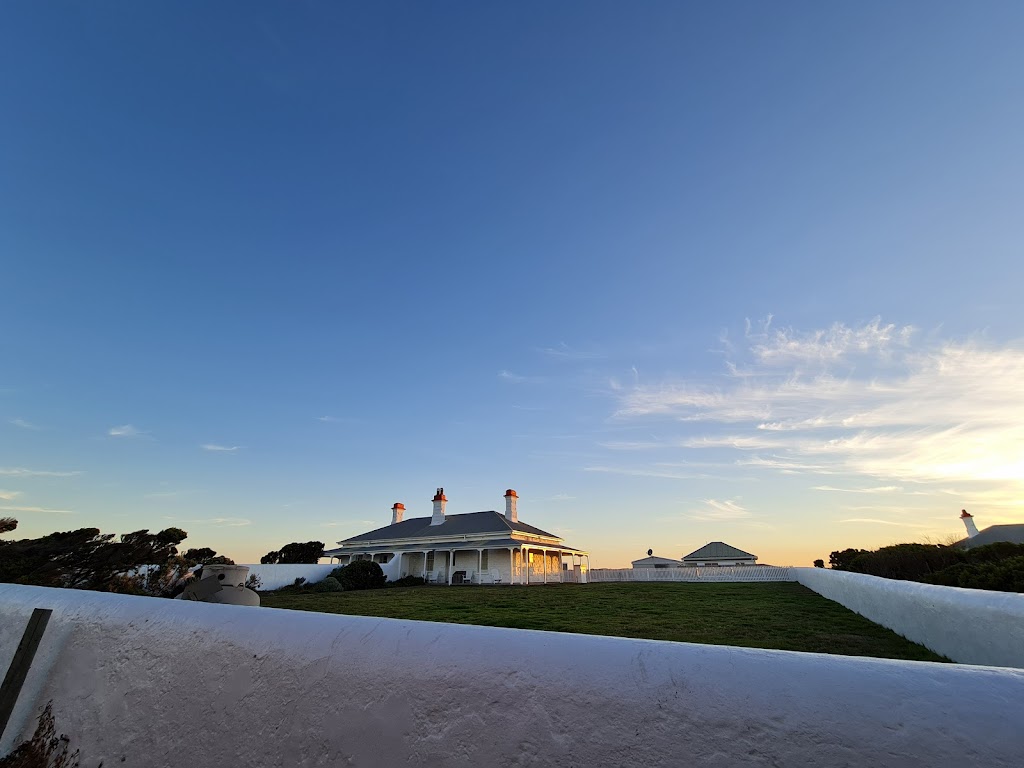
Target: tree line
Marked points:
998	566
140	562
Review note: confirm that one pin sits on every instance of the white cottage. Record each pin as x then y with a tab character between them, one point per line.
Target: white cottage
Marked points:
474	548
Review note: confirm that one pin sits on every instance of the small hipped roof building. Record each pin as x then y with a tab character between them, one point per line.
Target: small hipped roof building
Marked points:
719	553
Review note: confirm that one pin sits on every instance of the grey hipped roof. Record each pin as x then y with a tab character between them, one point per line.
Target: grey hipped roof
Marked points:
441	546
718	550
994	533
469	524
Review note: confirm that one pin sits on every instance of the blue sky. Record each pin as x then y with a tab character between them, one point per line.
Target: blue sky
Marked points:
674	272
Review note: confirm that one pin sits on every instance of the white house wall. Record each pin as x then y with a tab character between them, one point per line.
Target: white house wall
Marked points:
412	564
465	560
496	559
160	683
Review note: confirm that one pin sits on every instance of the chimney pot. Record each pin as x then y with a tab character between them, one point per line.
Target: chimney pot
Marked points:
440	501
511	497
397	512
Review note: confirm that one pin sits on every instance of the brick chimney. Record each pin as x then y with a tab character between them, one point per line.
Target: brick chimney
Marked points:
396	512
511	497
439	504
968	518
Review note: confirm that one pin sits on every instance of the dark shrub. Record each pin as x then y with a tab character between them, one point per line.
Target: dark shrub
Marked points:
330	584
910	562
362	574
991	553
297	587
1004	575
408	581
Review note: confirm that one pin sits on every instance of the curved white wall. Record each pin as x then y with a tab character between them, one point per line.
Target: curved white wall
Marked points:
972	626
277	576
168	683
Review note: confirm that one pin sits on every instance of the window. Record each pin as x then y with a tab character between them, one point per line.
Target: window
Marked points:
430	561
483	561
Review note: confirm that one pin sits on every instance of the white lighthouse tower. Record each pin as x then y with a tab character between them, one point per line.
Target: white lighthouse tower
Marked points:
968	518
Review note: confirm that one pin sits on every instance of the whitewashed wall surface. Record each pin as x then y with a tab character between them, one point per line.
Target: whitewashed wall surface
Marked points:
146	682
972	626
277	576
729	573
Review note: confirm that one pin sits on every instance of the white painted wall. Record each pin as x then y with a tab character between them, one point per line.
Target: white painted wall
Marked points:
277	576
972	626
392	569
166	683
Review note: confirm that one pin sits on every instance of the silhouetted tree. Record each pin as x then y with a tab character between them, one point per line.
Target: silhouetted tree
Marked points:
819	563
206	556
138	563
843	560
7	524
309	553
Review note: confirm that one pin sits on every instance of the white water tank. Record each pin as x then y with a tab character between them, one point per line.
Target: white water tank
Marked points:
222	584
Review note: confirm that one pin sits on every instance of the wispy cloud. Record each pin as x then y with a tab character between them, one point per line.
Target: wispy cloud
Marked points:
876	521
23	472
219	448
876	489
25	424
337	419
350	523
167	494
786	346
217	522
44	510
9	495
634	445
126	430
658	471
563	351
869	401
714	509
515	378
562	497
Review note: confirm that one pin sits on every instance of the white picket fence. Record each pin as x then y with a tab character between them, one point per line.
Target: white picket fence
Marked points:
732	573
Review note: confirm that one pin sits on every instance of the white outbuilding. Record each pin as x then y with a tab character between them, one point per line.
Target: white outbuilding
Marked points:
652	561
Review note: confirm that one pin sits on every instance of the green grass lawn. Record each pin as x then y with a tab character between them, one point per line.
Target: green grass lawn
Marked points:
782	615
